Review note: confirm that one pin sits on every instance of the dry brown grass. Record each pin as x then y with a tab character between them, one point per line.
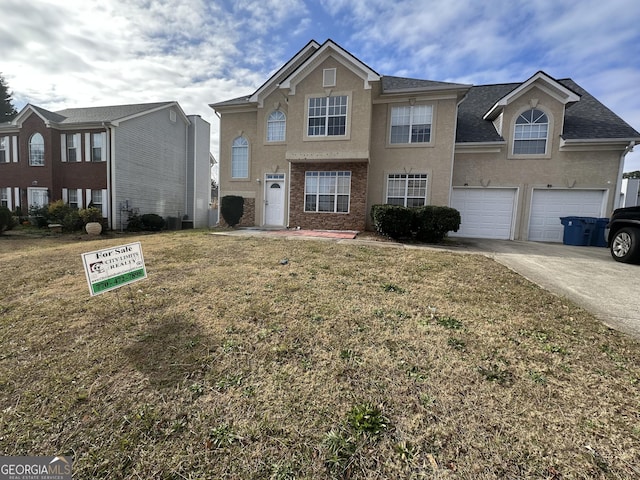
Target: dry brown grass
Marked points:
348	361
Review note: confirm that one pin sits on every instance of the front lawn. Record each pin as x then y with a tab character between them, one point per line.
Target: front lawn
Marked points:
263	358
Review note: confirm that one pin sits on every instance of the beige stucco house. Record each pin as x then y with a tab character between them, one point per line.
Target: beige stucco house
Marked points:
327	137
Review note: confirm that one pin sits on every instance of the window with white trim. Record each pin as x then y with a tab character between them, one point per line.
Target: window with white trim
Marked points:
36	150
530	133
327	116
407	189
411	124
4	197
72	147
240	158
72	197
96	147
276	126
4	149
96	199
327	192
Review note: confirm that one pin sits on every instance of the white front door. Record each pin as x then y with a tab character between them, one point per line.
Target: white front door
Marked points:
274	200
37	197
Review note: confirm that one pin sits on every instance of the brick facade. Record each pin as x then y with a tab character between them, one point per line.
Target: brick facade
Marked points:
354	220
248	218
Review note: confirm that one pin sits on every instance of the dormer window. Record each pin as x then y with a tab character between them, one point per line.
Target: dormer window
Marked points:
531	132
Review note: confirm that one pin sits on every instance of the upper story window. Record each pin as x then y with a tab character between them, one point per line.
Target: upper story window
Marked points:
36	150
73	144
407	189
411	124
327	192
96	147
530	134
4	149
327	116
240	158
276	126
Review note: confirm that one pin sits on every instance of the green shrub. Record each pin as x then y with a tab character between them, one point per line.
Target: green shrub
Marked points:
90	214
431	222
6	219
232	209
392	220
152	222
134	223
39	215
58	210
72	221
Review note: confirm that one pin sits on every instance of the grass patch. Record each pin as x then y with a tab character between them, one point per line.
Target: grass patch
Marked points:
348	362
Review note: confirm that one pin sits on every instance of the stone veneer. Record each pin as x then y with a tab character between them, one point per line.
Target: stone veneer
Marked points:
354	220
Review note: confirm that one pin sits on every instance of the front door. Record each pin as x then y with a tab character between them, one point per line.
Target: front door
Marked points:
274	200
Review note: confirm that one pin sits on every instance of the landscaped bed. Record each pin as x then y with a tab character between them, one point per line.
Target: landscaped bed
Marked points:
254	357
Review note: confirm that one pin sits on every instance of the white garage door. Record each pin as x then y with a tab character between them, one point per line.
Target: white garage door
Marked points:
547	206
485	212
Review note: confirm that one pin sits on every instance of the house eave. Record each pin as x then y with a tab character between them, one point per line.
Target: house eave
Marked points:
591	144
480	147
327	157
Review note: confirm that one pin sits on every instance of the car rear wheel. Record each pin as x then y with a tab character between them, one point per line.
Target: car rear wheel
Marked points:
625	246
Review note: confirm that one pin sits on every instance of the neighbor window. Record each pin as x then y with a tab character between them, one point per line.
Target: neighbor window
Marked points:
407	189
96	199
36	150
327	116
73	197
96	147
240	158
4	197
411	124
530	134
4	149
276	126
327	192
72	148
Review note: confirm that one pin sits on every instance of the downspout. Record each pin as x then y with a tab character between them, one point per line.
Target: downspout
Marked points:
616	199
108	150
453	151
219	159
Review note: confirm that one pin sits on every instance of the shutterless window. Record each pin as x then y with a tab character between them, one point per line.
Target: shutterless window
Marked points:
530	134
4	149
276	127
36	150
407	189
327	116
96	147
327	192
411	124
240	158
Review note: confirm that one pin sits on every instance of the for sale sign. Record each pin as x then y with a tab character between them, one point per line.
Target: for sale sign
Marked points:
114	267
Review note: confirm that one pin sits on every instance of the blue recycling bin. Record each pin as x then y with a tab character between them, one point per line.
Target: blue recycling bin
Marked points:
577	230
597	237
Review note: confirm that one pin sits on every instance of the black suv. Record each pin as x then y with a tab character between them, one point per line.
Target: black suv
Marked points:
624	235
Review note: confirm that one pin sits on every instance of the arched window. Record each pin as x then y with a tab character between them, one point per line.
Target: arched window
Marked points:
36	150
276	126
530	135
240	158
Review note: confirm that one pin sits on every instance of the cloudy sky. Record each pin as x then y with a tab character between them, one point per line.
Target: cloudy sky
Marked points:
78	53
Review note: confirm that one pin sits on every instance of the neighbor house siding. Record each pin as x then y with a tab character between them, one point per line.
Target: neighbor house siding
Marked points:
150	164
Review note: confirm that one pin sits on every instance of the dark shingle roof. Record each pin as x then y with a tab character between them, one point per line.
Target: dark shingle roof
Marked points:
585	119
391	84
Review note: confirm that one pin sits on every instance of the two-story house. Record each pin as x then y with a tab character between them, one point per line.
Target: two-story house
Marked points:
145	158
327	137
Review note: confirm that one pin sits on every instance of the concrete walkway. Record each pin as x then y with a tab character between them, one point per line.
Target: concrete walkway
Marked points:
588	276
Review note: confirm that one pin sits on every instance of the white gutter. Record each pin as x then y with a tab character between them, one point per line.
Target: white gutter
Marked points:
616	199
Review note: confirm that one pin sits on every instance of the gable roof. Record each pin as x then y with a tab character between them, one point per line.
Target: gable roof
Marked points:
91	115
586	119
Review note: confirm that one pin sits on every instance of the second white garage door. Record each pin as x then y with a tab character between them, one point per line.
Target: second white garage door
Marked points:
485	212
547	206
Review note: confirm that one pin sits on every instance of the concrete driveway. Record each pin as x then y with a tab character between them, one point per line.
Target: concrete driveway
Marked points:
586	275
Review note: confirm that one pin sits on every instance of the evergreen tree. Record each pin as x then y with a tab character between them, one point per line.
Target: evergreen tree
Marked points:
7	110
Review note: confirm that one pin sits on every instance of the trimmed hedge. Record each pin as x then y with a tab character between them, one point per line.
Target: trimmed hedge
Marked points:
232	209
428	224
6	219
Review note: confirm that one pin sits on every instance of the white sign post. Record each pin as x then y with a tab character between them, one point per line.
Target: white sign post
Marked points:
114	267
